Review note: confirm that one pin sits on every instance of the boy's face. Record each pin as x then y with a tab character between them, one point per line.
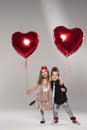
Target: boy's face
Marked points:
54	75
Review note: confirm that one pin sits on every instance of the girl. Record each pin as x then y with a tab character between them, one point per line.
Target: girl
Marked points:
59	96
43	97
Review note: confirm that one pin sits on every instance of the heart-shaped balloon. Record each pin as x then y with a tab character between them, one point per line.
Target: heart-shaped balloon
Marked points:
67	40
25	43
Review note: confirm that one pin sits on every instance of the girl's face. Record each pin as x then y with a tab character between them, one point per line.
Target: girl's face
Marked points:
44	73
54	76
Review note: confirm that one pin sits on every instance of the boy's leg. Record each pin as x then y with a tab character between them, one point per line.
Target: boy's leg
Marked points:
67	108
55	113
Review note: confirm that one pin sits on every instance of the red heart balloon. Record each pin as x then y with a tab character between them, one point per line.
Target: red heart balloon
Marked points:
67	40
25	43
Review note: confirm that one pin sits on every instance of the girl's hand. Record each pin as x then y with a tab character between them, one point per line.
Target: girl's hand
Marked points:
61	82
62	89
28	91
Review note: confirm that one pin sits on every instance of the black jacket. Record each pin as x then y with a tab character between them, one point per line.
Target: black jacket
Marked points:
59	97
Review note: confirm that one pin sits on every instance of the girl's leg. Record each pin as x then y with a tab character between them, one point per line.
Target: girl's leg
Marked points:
42	115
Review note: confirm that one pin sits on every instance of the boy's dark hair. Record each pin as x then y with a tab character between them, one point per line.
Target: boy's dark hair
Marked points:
55	69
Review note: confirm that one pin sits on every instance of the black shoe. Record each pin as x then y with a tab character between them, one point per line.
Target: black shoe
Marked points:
42	121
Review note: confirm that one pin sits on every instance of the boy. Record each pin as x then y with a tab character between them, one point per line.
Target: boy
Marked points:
59	97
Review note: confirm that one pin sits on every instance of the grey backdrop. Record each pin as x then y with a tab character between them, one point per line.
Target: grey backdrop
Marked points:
41	16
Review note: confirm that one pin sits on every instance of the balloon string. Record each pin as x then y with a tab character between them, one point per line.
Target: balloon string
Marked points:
66	67
25	65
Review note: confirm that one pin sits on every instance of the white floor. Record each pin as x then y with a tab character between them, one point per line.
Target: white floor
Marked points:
29	120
